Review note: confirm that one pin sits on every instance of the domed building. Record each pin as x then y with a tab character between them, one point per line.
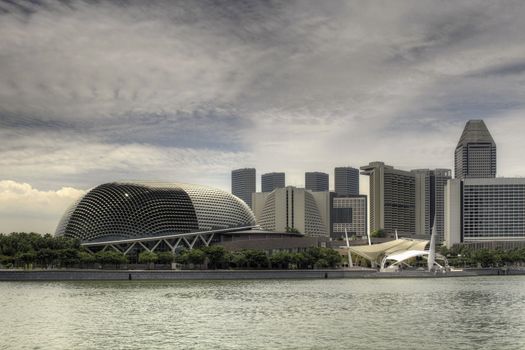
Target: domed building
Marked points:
131	217
127	210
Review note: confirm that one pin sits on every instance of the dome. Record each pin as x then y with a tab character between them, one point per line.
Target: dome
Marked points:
123	210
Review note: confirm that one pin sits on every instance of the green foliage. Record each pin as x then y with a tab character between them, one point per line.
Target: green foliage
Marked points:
255	258
216	256
148	257
321	263
111	258
280	260
238	259
196	257
292	230
182	257
86	258
464	256
379	233
29	248
165	258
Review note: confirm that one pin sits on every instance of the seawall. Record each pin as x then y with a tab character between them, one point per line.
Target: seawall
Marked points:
141	275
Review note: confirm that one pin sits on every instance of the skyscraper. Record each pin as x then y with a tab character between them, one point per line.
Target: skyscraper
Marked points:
430	187
271	181
243	184
475	155
348	213
346	181
392	199
316	181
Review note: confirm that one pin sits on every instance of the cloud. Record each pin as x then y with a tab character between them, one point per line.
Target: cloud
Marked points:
185	91
24	208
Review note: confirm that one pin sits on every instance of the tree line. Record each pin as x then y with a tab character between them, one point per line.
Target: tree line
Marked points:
47	251
465	256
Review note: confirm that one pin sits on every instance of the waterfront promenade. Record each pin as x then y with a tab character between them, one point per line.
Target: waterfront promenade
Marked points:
116	275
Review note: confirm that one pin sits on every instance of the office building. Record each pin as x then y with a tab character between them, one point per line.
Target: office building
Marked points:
243	184
392	199
293	209
350	213
316	181
475	155
346	181
271	181
484	210
430	186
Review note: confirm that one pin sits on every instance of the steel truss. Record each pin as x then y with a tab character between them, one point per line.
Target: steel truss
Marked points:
150	244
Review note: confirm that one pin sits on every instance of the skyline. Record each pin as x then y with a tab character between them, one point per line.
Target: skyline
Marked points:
186	92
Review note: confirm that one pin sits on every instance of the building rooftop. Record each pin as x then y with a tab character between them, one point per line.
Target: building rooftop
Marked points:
475	131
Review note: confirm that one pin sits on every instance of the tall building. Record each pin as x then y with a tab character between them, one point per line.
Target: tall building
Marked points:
350	213
484	210
430	186
392	199
293	209
243	184
316	181
346	181
475	155
271	181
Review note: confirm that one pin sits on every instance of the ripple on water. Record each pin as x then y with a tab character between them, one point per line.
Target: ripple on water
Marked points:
459	313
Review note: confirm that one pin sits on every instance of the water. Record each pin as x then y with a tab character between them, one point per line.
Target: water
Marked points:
452	313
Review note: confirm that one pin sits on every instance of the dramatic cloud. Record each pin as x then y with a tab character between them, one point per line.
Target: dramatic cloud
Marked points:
187	90
24	208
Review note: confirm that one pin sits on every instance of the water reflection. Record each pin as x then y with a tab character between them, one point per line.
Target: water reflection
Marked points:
459	313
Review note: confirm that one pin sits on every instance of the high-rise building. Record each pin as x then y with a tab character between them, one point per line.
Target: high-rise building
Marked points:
316	181
348	213
392	199
243	184
484	210
475	155
271	181
293	209
346	181
430	186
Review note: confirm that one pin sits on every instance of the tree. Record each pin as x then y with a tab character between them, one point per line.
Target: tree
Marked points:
165	258
68	257
321	263
298	259
182	257
111	258
86	258
280	259
196	257
239	259
332	257
46	256
147	257
379	233
216	256
25	258
256	258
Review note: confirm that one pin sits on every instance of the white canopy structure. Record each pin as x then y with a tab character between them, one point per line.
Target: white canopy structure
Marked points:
375	252
396	261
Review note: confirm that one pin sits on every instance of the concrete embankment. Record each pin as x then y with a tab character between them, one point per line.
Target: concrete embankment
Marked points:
115	275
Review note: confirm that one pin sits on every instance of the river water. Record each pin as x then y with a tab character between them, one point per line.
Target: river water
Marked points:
448	313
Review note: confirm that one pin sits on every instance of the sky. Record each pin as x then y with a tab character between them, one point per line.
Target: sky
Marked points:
186	91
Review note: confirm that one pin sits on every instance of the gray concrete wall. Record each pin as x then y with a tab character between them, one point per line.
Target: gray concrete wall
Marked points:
115	275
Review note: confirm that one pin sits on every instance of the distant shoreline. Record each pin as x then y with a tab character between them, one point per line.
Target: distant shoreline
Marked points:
144	275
